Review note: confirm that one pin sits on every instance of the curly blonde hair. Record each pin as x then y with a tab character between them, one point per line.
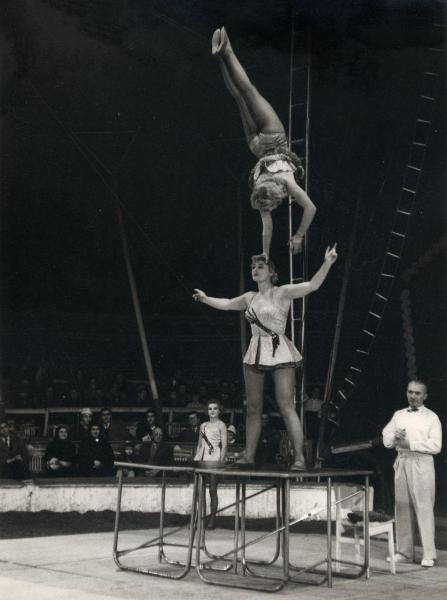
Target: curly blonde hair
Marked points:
268	193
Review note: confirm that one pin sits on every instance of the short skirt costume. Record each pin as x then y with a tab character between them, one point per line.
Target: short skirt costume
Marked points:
274	157
211	438
261	352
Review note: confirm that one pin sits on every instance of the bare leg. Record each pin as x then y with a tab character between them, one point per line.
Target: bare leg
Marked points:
254	389
284	380
248	124
261	111
214	501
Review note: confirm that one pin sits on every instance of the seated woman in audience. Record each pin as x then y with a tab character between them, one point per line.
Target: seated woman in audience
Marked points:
60	455
95	456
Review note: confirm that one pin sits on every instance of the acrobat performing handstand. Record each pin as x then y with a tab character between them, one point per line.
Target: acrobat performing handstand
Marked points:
274	176
270	350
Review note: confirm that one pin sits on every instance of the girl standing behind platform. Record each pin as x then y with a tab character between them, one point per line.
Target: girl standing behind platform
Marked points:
212	447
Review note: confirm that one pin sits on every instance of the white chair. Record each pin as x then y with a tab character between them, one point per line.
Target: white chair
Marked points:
352	533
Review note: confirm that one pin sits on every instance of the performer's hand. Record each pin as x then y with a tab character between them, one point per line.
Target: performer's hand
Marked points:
296	243
330	256
400	434
199	296
403	444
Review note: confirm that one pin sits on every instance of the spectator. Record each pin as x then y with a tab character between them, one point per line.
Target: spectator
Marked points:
231	435
142	396
91	390
147	426
110	430
203	395
190	435
50	399
128	454
173	398
13	454
224	399
74	397
183	397
195	404
131	432
156	451
95	457
115	396
85	421
60	455
268	446
99	397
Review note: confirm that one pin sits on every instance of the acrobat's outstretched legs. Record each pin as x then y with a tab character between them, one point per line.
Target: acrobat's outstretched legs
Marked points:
258	115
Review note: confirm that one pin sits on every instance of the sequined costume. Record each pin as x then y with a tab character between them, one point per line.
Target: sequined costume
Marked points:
263	352
274	157
211	442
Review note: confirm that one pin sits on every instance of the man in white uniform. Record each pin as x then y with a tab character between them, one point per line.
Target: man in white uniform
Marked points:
416	434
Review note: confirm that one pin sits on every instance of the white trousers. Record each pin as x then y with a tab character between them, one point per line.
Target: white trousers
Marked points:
414	482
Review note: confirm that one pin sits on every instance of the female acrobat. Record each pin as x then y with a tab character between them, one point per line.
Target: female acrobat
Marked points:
269	349
274	176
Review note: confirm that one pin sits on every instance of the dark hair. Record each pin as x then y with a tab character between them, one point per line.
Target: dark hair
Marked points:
418	382
270	264
58	429
106	409
214	401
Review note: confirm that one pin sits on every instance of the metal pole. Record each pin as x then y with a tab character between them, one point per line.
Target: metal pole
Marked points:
305	249
329	530
337	333
243	328
137	308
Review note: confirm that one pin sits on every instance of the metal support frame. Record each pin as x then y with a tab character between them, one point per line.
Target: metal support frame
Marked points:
158	542
289	573
248	577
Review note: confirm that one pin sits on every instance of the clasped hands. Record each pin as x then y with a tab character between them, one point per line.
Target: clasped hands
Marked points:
400	439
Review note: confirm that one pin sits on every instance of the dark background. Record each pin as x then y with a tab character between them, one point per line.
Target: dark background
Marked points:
103	97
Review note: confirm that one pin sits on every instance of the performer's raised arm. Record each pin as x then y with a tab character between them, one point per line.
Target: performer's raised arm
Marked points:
298	290
298	195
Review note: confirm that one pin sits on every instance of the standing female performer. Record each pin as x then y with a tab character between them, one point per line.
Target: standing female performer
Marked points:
212	447
273	177
269	349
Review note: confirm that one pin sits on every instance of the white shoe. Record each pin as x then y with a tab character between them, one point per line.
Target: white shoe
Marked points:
399	558
427	562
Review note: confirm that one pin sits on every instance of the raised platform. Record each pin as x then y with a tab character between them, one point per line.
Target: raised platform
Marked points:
141	495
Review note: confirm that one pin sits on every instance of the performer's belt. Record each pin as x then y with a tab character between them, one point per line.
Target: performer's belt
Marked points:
252	318
208	443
